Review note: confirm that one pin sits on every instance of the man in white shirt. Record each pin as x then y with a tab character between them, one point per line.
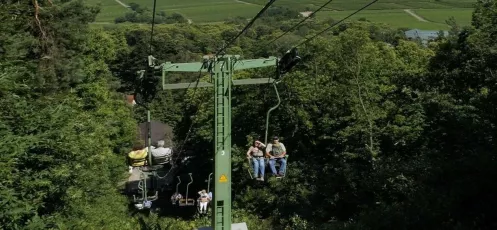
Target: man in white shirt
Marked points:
162	155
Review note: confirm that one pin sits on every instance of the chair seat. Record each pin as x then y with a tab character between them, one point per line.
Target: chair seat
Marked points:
184	202
161	160
151	168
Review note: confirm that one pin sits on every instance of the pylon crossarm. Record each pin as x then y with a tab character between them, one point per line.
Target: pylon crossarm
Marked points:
255	63
183	67
196	67
239	65
186	85
253	81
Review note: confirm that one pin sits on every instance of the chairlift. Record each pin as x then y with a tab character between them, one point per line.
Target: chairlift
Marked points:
291	58
145	201
176	196
149	180
187	201
277	165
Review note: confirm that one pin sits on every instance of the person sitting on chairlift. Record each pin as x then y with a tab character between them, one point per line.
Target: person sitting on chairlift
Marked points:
137	157
204	200
175	198
276	151
255	152
161	155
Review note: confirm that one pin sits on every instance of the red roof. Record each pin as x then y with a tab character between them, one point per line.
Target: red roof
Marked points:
130	99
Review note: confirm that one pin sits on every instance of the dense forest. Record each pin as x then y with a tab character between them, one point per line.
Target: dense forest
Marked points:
382	132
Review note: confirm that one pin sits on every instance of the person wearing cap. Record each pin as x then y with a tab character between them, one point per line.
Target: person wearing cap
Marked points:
276	151
257	155
204	200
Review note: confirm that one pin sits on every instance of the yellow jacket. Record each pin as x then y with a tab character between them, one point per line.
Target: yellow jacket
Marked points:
138	157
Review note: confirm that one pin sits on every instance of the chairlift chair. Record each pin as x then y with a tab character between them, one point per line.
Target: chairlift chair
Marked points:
293	59
145	201
176	196
266	161
162	160
285	64
187	201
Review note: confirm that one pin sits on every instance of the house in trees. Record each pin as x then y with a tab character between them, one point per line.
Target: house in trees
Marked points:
424	35
130	100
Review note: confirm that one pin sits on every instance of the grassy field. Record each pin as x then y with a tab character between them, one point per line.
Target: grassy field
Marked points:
399	18
390	12
380	5
462	16
395	18
110	10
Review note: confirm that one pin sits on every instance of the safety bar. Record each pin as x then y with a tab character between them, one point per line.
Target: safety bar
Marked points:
209	183
177	185
271	109
188	185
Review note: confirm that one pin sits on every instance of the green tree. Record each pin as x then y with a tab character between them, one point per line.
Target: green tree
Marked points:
65	127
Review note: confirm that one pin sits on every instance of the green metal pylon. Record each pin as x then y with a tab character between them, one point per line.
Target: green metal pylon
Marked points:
221	68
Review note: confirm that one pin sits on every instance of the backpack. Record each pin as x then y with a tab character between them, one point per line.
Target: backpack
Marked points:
276	149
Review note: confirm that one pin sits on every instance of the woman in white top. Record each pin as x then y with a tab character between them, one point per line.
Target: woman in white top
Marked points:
204	200
257	155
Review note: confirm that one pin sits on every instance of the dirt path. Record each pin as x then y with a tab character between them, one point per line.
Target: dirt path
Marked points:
243	2
122	4
412	14
306	13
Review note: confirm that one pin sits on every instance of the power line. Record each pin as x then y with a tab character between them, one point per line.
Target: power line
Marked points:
200	71
336	23
195	89
302	21
152	31
191	125
180	152
246	27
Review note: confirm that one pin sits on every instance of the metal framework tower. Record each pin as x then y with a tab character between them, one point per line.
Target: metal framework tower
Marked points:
221	69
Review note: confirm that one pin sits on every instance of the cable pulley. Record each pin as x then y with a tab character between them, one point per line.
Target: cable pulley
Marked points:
288	61
146	86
